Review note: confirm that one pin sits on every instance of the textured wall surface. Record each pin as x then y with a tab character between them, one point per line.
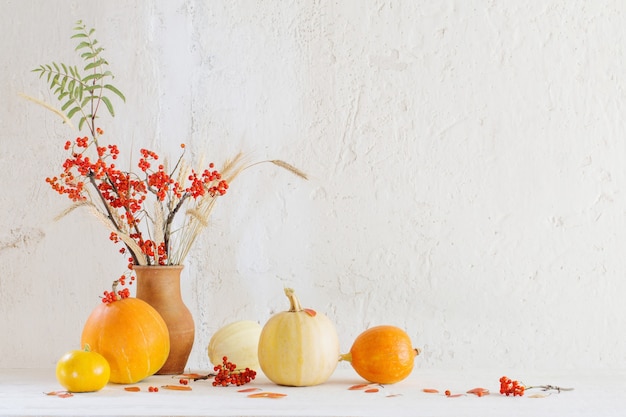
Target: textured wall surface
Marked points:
466	163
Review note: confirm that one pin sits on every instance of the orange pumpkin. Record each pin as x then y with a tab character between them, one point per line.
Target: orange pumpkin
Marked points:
382	354
131	335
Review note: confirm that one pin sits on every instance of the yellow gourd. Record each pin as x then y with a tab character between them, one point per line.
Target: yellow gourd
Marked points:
83	371
239	341
299	347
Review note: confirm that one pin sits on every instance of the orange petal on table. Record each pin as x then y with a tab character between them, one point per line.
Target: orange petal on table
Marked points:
359	386
276	395
371	390
267	395
431	391
249	390
310	312
177	387
190	376
61	394
132	389
479	391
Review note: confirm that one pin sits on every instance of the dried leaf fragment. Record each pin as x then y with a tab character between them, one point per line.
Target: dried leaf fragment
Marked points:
540	395
371	390
267	395
249	390
479	391
132	389
177	387
358	386
60	394
188	376
431	391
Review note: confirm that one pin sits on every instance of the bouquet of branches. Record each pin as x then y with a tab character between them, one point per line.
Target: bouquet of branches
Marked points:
139	208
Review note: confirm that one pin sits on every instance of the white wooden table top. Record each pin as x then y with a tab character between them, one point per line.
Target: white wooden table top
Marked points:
601	393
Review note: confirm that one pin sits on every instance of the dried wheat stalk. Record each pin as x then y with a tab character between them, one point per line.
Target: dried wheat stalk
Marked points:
129	241
49	107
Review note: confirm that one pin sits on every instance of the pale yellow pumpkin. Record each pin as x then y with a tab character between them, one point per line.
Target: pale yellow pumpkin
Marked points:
298	347
239	341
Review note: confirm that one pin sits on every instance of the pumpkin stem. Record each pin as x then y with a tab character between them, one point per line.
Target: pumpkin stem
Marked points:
294	303
417	351
346	357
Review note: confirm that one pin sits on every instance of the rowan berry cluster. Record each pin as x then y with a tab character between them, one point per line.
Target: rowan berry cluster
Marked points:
228	374
509	387
122	279
122	196
112	296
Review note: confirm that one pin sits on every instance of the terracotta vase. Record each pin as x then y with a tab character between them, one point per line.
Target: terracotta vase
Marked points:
159	286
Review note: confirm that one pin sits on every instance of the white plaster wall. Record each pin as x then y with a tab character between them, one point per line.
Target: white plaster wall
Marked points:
466	161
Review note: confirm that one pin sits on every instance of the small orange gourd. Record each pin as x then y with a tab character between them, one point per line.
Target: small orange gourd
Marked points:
382	354
131	335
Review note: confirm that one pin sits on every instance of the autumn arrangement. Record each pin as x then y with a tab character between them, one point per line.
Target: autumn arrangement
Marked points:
156	213
139	208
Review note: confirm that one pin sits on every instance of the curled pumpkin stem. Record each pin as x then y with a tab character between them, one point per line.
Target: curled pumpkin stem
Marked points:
294	303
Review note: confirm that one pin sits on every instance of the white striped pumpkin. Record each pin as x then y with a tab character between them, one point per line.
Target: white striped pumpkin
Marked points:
298	347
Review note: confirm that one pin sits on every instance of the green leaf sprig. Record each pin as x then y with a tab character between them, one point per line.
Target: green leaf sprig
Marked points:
82	95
